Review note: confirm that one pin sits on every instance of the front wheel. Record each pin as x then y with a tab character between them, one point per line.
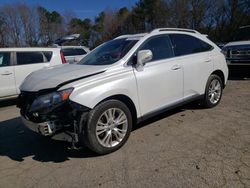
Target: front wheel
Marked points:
108	127
213	91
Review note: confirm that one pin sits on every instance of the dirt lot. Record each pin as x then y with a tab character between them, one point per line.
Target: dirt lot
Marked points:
187	147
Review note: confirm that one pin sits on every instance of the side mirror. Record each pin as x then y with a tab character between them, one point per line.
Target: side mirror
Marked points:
144	56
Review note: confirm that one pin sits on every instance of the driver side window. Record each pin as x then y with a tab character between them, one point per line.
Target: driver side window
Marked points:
160	46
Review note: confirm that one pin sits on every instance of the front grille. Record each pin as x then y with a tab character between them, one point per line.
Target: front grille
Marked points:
25	100
242	52
240	62
238	53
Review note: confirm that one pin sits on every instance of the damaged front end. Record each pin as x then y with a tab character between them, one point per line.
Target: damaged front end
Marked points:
51	113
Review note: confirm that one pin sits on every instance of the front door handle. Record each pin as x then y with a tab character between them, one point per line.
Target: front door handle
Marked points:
6	73
176	67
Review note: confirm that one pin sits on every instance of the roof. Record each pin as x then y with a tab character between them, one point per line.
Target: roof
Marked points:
140	35
175	29
29	49
158	30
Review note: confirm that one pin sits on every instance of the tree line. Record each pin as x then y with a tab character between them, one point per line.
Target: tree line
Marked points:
24	25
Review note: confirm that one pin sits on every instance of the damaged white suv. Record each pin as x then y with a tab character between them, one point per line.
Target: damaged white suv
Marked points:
97	101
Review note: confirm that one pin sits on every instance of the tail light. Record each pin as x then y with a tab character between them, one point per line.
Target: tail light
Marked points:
63	58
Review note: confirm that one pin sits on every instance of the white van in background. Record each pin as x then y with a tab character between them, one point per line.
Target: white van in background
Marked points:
17	63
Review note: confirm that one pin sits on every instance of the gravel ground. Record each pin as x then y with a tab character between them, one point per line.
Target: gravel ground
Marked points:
186	147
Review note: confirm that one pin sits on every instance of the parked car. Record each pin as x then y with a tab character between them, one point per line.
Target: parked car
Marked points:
237	52
73	54
17	63
133	77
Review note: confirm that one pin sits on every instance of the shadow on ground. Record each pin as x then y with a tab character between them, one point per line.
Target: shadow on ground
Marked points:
9	102
17	142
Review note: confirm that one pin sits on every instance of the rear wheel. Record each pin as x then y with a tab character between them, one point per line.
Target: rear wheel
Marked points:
213	92
108	127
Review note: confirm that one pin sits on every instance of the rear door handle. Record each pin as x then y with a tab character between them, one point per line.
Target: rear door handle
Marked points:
176	67
6	73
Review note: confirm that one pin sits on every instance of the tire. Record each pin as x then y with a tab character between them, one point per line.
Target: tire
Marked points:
213	93
103	134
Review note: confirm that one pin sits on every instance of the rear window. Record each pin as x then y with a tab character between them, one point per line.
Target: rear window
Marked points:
186	44
4	59
80	51
73	51
24	58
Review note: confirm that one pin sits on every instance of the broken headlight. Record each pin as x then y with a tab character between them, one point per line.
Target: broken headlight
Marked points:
48	101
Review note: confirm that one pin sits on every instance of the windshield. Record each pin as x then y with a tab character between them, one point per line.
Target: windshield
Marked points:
242	34
109	53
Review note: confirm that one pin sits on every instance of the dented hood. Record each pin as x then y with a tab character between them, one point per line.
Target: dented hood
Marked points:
53	77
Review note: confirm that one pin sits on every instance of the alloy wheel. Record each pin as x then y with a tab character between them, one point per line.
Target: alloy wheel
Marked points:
214	91
111	127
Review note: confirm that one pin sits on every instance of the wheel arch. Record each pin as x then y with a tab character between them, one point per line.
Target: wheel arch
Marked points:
127	101
221	75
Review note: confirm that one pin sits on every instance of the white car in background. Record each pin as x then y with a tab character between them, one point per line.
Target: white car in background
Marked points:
73	54
17	63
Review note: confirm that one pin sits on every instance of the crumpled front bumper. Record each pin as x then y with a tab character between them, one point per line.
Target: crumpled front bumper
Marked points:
50	130
46	128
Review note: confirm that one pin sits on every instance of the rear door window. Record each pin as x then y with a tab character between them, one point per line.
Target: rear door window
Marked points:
4	59
186	44
24	58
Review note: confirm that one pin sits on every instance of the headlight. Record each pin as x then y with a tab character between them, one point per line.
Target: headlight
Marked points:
46	102
224	51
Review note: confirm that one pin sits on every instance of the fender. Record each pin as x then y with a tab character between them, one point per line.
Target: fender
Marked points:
119	84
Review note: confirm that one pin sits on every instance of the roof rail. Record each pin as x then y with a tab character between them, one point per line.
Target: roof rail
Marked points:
174	29
245	26
131	35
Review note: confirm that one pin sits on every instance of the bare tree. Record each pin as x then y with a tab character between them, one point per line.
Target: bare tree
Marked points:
3	37
180	13
29	20
52	26
13	24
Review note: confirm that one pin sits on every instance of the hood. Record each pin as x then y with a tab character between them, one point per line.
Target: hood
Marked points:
52	77
237	43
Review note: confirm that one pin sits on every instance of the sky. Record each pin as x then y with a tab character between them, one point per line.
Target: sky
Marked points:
81	8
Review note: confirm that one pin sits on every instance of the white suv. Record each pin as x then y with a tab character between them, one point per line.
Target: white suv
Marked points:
121	82
17	63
